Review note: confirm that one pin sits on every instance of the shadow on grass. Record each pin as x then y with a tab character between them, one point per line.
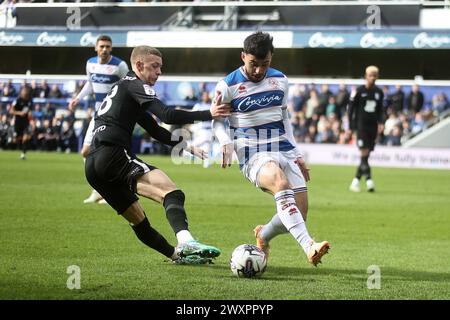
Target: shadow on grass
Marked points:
281	273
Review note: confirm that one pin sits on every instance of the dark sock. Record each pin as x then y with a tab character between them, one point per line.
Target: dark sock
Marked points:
153	238
24	146
365	167
358	173
175	213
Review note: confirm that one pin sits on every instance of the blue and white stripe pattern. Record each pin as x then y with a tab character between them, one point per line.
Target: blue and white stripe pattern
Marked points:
256	119
103	76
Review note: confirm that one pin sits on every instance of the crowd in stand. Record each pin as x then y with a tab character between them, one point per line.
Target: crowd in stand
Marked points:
50	130
318	115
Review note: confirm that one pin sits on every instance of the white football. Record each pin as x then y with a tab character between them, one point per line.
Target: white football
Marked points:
248	261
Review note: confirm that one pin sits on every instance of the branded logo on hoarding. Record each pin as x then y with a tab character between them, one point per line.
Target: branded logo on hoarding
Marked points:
88	39
370	40
319	39
10	39
423	40
51	40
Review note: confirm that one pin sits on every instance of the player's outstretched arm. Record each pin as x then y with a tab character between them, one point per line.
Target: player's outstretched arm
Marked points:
87	89
146	121
174	116
159	133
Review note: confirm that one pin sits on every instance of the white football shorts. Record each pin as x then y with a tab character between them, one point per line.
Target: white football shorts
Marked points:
285	161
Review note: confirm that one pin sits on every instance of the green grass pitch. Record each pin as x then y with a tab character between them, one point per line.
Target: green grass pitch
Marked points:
403	228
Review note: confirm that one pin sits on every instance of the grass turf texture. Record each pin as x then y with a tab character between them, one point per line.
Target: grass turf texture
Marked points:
44	227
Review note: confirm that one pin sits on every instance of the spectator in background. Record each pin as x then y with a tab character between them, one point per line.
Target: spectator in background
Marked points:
311	105
405	125
342	98
5	131
324	97
336	128
49	137
394	137
49	111
34	89
55	92
324	131
418	124
331	107
68	140
9	90
390	123
439	104
37	113
24	84
300	129
387	102
297	99
415	100
312	133
44	89
345	137
397	99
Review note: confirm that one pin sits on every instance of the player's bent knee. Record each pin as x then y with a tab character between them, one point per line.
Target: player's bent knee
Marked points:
273	178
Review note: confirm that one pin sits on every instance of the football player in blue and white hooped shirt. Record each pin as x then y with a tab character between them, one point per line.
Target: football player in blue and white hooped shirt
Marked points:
260	133
103	71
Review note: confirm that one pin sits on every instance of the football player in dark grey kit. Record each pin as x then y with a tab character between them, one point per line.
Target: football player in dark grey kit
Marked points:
365	113
115	172
21	109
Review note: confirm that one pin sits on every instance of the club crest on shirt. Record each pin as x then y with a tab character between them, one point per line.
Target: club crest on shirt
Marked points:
274	83
149	90
377	96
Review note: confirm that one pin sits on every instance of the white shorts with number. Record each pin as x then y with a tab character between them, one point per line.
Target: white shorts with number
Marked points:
285	161
89	133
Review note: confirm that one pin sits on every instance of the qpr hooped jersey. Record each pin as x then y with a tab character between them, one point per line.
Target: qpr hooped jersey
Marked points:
256	119
103	76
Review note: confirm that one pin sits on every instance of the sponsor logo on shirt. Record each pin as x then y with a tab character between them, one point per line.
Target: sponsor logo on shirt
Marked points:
242	89
99	78
250	102
149	90
274	83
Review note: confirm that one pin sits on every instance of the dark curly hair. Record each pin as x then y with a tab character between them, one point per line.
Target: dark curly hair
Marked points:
258	44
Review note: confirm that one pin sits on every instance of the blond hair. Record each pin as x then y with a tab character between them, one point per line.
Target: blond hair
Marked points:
371	69
140	52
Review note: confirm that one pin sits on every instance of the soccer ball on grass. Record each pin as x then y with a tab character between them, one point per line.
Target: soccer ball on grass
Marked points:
248	261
